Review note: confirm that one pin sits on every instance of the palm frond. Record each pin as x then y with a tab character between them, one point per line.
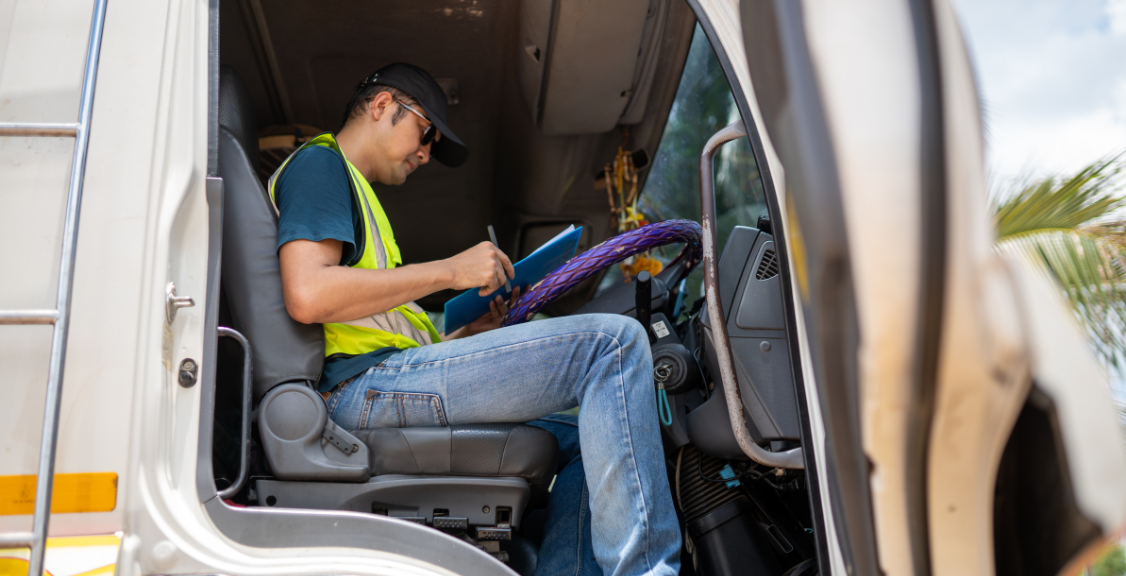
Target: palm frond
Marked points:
1055	203
1060	225
1089	271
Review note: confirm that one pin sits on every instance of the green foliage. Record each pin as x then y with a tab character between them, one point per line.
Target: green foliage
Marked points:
1111	563
1057	204
1064	225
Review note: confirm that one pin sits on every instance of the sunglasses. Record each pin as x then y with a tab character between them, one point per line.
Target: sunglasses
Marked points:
429	133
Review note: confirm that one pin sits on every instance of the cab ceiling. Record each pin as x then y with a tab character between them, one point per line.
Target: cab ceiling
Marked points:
301	61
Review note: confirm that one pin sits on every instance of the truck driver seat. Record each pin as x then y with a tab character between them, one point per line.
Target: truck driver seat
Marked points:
451	478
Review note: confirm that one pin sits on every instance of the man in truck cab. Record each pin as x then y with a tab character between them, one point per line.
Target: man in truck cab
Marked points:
387	366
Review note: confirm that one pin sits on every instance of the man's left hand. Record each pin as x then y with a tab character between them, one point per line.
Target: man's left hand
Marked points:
498	307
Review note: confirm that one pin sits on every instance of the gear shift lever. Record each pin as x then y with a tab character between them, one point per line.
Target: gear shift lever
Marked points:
643	301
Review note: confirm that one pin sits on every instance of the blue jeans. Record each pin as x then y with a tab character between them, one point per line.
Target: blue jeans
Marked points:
601	363
567	547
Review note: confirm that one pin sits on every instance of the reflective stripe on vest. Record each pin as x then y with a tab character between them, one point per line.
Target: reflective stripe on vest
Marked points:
405	326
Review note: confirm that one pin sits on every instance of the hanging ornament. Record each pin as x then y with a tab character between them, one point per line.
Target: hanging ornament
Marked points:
621	191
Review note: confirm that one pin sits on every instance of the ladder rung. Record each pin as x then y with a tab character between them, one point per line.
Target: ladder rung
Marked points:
28	316
38	129
16	540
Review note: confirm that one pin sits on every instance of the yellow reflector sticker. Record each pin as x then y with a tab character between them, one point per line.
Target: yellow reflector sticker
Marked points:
67	556
82	492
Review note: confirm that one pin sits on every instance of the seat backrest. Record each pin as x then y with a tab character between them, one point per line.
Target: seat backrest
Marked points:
283	350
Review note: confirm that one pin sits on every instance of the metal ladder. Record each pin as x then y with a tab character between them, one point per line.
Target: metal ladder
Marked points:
60	315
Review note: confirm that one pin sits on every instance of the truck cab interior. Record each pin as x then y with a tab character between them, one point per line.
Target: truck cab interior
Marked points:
545	95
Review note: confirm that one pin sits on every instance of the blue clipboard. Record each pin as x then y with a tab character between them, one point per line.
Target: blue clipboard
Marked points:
469	305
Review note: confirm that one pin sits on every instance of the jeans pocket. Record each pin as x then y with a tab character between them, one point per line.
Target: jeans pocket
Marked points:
337	393
401	410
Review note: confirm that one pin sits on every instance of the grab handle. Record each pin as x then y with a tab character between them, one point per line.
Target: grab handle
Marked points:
789	458
244	432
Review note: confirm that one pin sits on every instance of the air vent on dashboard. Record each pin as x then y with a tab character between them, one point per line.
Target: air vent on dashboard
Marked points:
768	266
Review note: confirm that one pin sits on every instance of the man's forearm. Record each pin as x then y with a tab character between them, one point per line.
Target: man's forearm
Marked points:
318	290
339	293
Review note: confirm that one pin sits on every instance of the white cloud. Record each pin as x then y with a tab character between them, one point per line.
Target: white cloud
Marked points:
1053	81
1116	13
1055	145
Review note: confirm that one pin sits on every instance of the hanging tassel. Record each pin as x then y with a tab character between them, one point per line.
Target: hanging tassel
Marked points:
663	409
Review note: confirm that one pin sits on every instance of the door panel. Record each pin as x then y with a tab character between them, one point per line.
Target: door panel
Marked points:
918	331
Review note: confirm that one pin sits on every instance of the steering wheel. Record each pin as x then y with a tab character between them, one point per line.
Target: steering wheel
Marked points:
605	254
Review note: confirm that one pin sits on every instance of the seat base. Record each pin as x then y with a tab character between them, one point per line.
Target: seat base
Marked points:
479	500
302	445
478	450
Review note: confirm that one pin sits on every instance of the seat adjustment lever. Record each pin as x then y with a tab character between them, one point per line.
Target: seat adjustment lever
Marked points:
339	438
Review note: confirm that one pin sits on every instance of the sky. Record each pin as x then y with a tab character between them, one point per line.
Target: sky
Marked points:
1052	76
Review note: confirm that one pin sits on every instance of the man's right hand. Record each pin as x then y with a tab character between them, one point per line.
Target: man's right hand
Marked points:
483	266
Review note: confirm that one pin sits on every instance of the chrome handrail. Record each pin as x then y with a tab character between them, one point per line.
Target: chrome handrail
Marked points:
790	458
247	396
49	440
44	129
29	316
16	540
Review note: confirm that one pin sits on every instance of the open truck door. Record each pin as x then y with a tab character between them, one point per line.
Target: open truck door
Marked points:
959	422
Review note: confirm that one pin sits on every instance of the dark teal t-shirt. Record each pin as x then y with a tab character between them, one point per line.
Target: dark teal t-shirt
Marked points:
316	203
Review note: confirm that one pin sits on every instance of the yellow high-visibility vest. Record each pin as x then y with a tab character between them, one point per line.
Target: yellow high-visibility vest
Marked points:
405	326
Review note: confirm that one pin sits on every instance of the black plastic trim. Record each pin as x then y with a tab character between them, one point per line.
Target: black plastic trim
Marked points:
205	481
213	87
932	212
205	477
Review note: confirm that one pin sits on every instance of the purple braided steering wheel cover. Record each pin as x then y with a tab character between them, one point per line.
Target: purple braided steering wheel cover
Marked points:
609	252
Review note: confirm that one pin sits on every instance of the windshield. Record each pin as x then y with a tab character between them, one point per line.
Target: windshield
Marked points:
703	105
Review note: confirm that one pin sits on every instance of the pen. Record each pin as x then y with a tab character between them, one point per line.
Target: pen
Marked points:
493	237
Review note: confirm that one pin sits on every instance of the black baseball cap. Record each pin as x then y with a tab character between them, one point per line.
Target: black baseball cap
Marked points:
425	90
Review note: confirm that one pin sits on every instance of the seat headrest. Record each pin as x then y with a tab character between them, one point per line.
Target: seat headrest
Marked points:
236	113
